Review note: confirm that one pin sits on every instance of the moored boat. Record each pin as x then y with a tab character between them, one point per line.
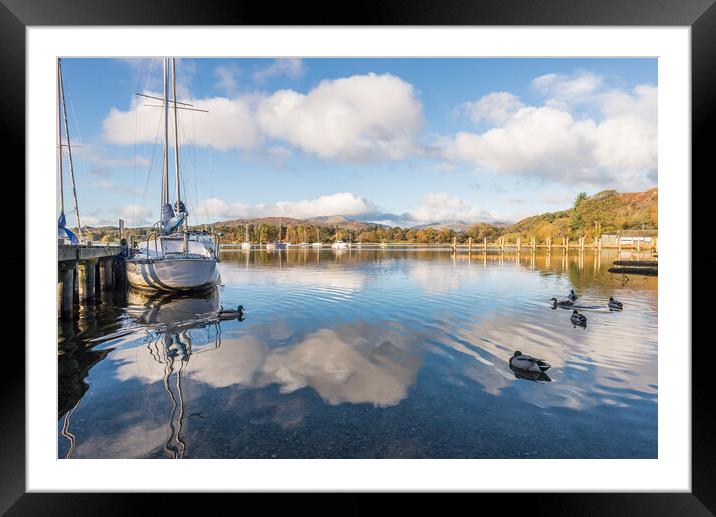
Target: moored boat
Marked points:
172	258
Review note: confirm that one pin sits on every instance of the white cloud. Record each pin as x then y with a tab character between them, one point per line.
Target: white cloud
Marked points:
618	150
355	119
293	68
440	207
495	107
136	215
341	203
229	124
359	118
563	89
228	78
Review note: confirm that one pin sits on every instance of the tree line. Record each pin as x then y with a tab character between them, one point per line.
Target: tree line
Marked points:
589	217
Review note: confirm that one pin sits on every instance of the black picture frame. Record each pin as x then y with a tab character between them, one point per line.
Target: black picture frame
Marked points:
700	15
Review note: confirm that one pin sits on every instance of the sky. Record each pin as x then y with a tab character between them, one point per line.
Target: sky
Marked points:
396	141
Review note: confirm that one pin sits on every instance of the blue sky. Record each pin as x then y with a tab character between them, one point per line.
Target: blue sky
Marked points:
401	141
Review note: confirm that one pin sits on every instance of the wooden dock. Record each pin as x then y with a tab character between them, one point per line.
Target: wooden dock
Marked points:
88	271
635	267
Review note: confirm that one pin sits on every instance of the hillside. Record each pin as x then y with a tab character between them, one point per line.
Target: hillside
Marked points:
605	212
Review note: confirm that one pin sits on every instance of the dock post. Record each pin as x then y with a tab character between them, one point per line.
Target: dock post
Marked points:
469	244
533	244
638	245
86	280
105	274
484	244
581	243
65	288
599	244
549	244
454	244
518	244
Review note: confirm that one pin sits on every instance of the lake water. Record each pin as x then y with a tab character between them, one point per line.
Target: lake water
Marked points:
368	354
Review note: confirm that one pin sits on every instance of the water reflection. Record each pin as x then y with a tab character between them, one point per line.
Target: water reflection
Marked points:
368	353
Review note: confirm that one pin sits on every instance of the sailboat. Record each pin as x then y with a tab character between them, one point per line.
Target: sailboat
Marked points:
173	258
318	243
339	244
246	245
277	244
304	244
64	234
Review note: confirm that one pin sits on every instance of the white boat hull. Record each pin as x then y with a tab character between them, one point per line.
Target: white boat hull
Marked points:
172	274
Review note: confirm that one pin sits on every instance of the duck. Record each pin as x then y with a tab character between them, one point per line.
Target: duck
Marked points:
561	302
578	319
228	314
572	296
528	363
614	304
530	375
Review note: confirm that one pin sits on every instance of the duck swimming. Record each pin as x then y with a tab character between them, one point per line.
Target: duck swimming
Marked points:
528	363
229	314
578	319
530	375
613	304
572	296
561	302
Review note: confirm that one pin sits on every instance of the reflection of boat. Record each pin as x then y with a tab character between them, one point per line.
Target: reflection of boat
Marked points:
172	259
171	345
172	310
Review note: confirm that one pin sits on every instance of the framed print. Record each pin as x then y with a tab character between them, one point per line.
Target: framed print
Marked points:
418	253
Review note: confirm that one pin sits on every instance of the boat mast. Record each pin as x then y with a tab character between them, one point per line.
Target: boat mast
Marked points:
59	141
69	149
165	165
176	139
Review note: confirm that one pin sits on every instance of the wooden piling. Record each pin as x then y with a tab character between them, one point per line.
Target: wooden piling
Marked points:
518	244
454	244
484	244
533	243
86	281
105	274
469	245
65	289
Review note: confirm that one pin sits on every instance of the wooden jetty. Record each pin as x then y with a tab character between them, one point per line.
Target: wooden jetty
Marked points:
635	267
90	269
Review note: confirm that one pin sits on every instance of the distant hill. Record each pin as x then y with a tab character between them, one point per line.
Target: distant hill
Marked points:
456	226
333	221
